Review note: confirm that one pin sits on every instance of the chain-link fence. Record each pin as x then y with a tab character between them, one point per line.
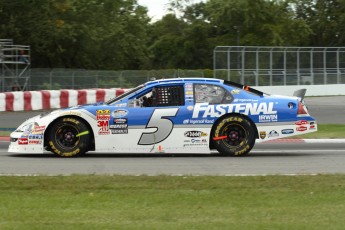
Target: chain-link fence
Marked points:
51	79
262	66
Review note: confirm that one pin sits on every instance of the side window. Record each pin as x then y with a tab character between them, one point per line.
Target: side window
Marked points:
164	96
212	94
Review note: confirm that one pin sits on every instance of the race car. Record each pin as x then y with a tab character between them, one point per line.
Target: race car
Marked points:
184	115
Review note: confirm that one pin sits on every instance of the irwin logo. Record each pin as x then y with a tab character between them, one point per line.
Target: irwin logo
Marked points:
268	118
207	110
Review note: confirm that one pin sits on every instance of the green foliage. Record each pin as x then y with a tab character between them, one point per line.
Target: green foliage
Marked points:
115	35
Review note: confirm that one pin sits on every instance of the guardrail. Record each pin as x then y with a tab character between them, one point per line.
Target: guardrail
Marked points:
54	99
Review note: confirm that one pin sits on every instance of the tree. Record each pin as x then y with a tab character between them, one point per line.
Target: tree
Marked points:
93	34
325	18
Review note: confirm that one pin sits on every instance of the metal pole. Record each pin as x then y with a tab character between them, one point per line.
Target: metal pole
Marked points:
311	65
338	67
324	66
284	66
298	67
257	68
229	63
271	60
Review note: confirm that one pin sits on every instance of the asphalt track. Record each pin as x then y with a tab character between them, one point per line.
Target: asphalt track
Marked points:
265	159
287	158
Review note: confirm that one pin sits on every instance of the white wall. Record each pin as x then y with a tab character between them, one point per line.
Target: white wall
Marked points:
312	90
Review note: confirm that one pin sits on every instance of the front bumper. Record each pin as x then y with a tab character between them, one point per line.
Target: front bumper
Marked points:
25	144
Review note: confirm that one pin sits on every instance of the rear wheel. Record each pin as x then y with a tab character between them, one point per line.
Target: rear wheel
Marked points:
233	136
69	137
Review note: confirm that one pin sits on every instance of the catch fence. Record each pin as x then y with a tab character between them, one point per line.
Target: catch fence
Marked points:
268	66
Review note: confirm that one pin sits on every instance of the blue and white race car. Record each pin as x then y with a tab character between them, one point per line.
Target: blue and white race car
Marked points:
185	115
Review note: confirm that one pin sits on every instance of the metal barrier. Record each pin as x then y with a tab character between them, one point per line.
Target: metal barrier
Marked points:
54	79
14	66
263	65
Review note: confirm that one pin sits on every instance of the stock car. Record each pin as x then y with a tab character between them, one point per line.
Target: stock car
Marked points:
184	115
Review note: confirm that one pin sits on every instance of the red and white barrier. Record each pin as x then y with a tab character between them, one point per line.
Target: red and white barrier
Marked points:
54	99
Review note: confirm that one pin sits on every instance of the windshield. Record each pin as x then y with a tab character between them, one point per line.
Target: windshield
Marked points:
113	100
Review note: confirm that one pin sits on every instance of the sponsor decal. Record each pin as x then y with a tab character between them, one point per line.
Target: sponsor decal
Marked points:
262	134
119	131
120	105
38	129
268	118
301	122
194	134
273	133
118	126
103	111
205	110
312	125
120	113
189	85
103	127
23	141
287	131
189	92
245	100
199	121
301	128
120	120
35	142
103	117
190	108
35	137
235	91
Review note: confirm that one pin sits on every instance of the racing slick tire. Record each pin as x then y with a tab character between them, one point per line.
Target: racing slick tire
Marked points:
233	136
69	137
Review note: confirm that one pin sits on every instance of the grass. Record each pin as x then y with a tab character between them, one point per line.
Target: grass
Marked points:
167	202
324	131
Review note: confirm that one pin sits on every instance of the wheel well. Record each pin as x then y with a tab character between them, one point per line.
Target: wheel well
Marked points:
91	147
229	115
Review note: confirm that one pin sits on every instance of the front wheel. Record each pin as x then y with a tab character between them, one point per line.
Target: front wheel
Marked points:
69	137
233	136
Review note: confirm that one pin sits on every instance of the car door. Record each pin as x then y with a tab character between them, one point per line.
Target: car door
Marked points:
149	118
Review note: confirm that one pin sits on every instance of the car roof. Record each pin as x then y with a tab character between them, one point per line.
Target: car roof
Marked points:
203	80
184	80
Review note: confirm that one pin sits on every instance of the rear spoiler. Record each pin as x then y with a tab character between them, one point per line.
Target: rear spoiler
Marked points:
300	93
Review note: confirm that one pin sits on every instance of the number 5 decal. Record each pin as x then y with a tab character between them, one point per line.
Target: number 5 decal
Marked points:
163	125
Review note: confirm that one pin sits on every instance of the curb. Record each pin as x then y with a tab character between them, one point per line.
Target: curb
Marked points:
4	138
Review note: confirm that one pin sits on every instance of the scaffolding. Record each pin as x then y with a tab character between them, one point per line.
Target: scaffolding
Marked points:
15	66
264	65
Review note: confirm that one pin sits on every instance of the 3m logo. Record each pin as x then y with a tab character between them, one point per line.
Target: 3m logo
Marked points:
104	127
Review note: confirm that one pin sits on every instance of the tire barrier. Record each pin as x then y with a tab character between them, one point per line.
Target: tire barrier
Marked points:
54	99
